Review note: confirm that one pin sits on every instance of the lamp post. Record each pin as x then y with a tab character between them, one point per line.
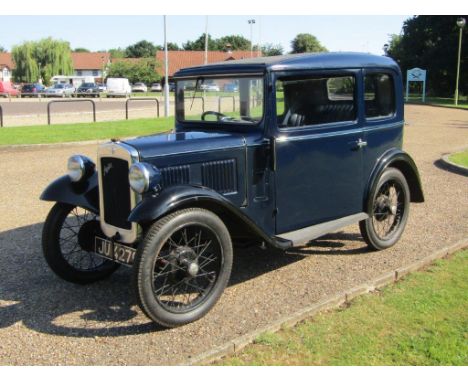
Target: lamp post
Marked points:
385	49
251	23
166	72
461	24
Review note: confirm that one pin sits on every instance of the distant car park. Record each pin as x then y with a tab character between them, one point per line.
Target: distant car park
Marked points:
7	89
88	89
60	90
156	87
139	87
32	90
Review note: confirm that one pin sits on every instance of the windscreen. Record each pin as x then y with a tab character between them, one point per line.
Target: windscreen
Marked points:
230	100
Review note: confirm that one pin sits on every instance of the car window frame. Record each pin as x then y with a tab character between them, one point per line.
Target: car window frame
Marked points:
393	76
349	125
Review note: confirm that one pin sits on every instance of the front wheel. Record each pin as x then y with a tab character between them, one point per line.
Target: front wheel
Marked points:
389	211
68	245
182	266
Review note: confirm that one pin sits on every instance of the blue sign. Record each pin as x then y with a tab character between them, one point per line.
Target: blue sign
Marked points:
416	75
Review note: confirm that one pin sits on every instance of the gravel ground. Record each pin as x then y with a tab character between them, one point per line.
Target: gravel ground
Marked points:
46	321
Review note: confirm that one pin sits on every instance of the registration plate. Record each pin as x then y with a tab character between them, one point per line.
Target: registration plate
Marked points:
115	251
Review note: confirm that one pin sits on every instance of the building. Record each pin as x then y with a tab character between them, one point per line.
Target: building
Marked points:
90	64
179	59
6	66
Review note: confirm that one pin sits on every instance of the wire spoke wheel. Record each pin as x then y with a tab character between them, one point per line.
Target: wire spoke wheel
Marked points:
68	244
182	266
187	268
388	211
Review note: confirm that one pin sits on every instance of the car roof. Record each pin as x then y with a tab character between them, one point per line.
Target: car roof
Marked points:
335	60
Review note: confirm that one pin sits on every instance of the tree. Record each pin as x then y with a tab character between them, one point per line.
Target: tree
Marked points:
117	53
272	50
2	49
143	70
81	50
171	46
199	44
305	42
142	48
42	59
236	42
431	43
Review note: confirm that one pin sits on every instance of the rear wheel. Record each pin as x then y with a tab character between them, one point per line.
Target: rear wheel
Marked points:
389	214
68	245
182	266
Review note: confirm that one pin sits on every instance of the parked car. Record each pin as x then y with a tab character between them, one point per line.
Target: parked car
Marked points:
118	87
283	169
209	87
102	87
156	87
139	87
88	89
231	87
32	90
7	89
59	90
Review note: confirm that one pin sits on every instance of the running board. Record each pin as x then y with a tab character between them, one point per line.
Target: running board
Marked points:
304	235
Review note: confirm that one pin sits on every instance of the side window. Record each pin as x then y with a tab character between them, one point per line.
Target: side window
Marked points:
305	101
379	95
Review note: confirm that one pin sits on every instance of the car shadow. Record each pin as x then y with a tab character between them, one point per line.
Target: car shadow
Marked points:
31	295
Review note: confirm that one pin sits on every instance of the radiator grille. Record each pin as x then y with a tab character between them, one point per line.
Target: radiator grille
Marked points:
175	175
220	175
116	191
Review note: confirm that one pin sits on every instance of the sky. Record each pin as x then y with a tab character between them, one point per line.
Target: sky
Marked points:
337	33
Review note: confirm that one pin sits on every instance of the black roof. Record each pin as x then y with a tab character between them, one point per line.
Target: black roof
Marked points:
336	60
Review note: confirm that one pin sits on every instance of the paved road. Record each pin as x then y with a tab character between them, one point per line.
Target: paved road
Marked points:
44	320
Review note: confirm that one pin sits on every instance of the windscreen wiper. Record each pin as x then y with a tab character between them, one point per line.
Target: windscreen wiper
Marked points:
196	88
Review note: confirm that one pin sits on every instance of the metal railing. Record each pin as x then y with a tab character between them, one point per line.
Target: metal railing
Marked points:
73	100
140	99
233	102
1	116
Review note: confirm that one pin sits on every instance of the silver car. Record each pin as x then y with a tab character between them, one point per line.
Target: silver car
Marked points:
139	87
60	90
156	87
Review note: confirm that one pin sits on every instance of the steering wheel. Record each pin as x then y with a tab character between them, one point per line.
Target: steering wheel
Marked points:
219	116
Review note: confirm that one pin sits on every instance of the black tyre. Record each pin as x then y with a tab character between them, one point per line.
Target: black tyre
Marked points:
389	211
182	266
68	245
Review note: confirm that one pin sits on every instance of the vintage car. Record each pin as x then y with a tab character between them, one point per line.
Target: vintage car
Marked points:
311	144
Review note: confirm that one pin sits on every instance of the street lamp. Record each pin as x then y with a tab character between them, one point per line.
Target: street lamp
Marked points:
385	49
461	24
251	23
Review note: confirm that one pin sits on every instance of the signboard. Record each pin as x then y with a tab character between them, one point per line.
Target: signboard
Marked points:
416	75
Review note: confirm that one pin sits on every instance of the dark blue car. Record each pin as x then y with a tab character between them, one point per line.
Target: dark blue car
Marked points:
305	145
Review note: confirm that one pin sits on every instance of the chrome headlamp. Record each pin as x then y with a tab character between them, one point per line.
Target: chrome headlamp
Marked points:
143	176
80	167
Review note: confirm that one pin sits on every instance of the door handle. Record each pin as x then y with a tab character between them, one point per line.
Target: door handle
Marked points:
360	144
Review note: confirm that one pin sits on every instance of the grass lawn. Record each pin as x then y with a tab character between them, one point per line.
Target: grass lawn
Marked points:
422	320
460	158
21	135
439	101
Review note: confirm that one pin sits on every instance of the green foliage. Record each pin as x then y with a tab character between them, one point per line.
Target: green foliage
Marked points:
236	42
305	42
2	49
81	50
42	59
142	70
431	43
83	131
272	50
117	53
421	320
140	49
171	46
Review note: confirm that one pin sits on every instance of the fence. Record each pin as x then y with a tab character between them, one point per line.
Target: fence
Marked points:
140	99
233	102
74	100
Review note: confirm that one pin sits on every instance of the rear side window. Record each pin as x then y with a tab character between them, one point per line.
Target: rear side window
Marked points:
379	95
306	101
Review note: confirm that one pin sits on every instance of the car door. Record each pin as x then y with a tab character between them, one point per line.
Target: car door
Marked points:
318	145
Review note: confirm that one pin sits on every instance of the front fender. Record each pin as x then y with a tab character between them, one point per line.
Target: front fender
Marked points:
83	194
403	162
